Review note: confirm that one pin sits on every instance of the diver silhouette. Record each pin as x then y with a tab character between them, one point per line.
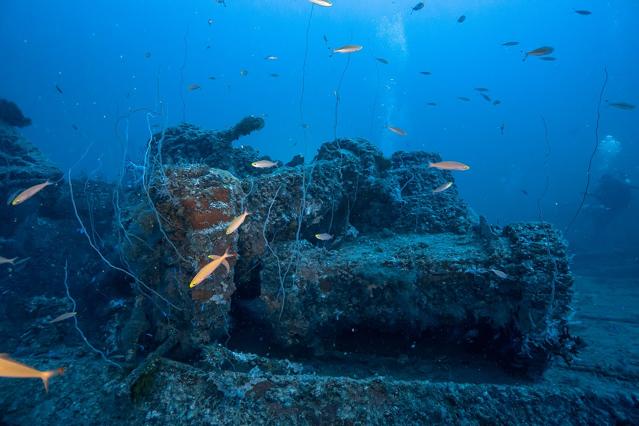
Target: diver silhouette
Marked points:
613	195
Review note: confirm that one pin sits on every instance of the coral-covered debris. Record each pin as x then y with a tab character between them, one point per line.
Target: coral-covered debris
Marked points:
402	258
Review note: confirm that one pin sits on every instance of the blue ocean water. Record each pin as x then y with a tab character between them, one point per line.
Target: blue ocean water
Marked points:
95	76
96	53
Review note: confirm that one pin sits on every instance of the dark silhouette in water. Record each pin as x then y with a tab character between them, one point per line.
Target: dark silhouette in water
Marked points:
11	114
614	196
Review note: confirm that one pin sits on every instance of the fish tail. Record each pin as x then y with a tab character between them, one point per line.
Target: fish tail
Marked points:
430	164
48	374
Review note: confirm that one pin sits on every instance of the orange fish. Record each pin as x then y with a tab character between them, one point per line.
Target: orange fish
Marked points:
29	192
449	165
397	131
14	369
442	188
209	268
236	223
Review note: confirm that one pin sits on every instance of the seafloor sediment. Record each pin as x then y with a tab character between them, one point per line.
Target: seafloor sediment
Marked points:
415	311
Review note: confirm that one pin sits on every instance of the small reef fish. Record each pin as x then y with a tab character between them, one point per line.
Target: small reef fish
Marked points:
274	75
418	6
481	89
382	60
63	317
212	77
426	72
510	43
461	19
431	103
236	223
463	98
442	188
243	73
263	164
583	12
13	369
548	58
540	51
193	87
210	21
500	274
496	102
59	89
486	97
349	48
29	192
324	237
4	260
271	58
397	131
323	3
449	165
209	268
622	105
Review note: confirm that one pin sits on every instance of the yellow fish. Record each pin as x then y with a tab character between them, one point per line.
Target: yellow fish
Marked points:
323	3
236	223
14	369
263	164
349	48
397	131
63	317
449	165
324	237
29	192
443	187
209	268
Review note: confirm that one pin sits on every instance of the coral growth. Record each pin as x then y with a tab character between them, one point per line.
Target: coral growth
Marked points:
11	114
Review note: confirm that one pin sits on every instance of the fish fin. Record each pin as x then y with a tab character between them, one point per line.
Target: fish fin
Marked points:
227	266
21	261
48	374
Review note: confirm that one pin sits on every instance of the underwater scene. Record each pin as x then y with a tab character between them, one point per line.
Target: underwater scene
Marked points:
319	212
